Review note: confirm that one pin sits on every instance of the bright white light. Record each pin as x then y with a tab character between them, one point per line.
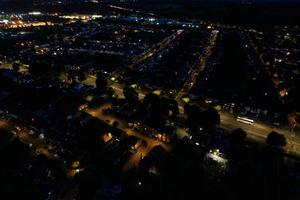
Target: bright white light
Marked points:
35	13
5	21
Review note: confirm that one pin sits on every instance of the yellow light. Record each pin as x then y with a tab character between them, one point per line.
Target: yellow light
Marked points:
157	92
134	86
186	99
218	107
75	164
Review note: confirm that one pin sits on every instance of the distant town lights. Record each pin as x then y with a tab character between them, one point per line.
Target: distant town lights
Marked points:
5	21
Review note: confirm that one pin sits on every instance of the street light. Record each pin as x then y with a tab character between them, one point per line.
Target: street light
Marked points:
139	183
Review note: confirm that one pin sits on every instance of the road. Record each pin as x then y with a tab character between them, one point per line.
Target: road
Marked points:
200	65
259	131
150	52
275	80
39	146
117	87
6	65
156	48
123	125
4	125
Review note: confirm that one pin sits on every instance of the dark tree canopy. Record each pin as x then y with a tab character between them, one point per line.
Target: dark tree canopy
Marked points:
130	95
16	66
238	135
101	82
198	117
276	139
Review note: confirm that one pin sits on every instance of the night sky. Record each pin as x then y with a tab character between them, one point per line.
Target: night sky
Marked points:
206	1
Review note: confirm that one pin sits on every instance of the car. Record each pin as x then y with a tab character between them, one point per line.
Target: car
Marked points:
18	128
31	132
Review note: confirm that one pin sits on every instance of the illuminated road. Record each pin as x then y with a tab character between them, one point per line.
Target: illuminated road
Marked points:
117	87
191	80
150	52
4	124
142	151
119	91
275	80
38	144
6	65
123	125
129	10
155	48
260	131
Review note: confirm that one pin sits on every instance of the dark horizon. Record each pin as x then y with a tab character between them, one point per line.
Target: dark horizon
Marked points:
176	1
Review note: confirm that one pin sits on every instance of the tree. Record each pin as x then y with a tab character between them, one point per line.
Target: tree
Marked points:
156	108
130	95
44	71
207	118
16	66
68	104
238	136
150	99
81	76
36	69
115	124
212	117
88	133
194	115
186	108
173	106
237	146
101	82
110	92
276	139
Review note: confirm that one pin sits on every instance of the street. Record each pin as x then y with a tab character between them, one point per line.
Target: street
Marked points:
153	50
259	131
192	78
123	125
